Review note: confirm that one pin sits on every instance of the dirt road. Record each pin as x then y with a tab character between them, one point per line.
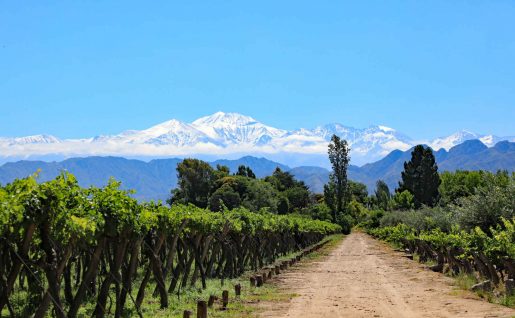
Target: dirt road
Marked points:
365	278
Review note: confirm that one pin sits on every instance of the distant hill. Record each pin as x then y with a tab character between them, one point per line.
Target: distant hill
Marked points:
155	179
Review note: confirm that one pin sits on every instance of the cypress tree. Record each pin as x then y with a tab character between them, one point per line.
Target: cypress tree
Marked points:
420	177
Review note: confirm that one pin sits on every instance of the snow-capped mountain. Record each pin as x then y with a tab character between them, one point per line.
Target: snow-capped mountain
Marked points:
464	135
233	129
222	134
35	139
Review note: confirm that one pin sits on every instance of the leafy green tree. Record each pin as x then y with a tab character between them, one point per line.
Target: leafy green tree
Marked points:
339	157
382	195
298	197
195	179
403	200
224	196
420	177
260	194
282	180
221	172
358	191
356	210
489	204
319	211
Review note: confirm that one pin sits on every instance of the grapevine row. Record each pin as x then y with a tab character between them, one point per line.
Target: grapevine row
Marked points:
62	246
491	256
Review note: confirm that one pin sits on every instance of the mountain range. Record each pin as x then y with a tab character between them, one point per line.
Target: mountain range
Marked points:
155	179
230	135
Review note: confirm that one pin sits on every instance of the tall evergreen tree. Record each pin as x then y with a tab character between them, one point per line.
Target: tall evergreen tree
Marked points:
339	157
420	177
382	194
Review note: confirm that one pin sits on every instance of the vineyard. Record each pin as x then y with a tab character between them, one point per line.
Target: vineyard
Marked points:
490	257
63	247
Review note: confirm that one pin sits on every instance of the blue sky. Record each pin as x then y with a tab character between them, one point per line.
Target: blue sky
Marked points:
426	68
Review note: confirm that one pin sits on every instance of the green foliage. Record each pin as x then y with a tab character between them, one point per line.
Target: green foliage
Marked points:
356	210
490	202
221	172
282	180
372	219
424	219
339	157
298	197
245	172
195	178
358	192
346	222
58	228
225	196
382	195
319	211
498	249
202	186
260	195
283	206
420	177
403	200
459	184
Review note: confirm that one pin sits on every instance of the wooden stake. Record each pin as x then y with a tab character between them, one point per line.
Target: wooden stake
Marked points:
259	280
237	290
187	314
201	309
225	299
211	301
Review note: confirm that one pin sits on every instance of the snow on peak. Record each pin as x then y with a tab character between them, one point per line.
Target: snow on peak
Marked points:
234	128
35	139
452	140
221	119
386	129
228	133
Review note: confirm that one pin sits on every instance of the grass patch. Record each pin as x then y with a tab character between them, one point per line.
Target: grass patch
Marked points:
466	281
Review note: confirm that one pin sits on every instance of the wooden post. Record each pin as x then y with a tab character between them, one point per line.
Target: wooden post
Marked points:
211	301
237	290
259	280
264	277
277	270
270	274
201	309
225	299
187	314
510	287
252	281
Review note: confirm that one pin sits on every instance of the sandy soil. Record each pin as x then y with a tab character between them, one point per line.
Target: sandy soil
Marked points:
363	277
